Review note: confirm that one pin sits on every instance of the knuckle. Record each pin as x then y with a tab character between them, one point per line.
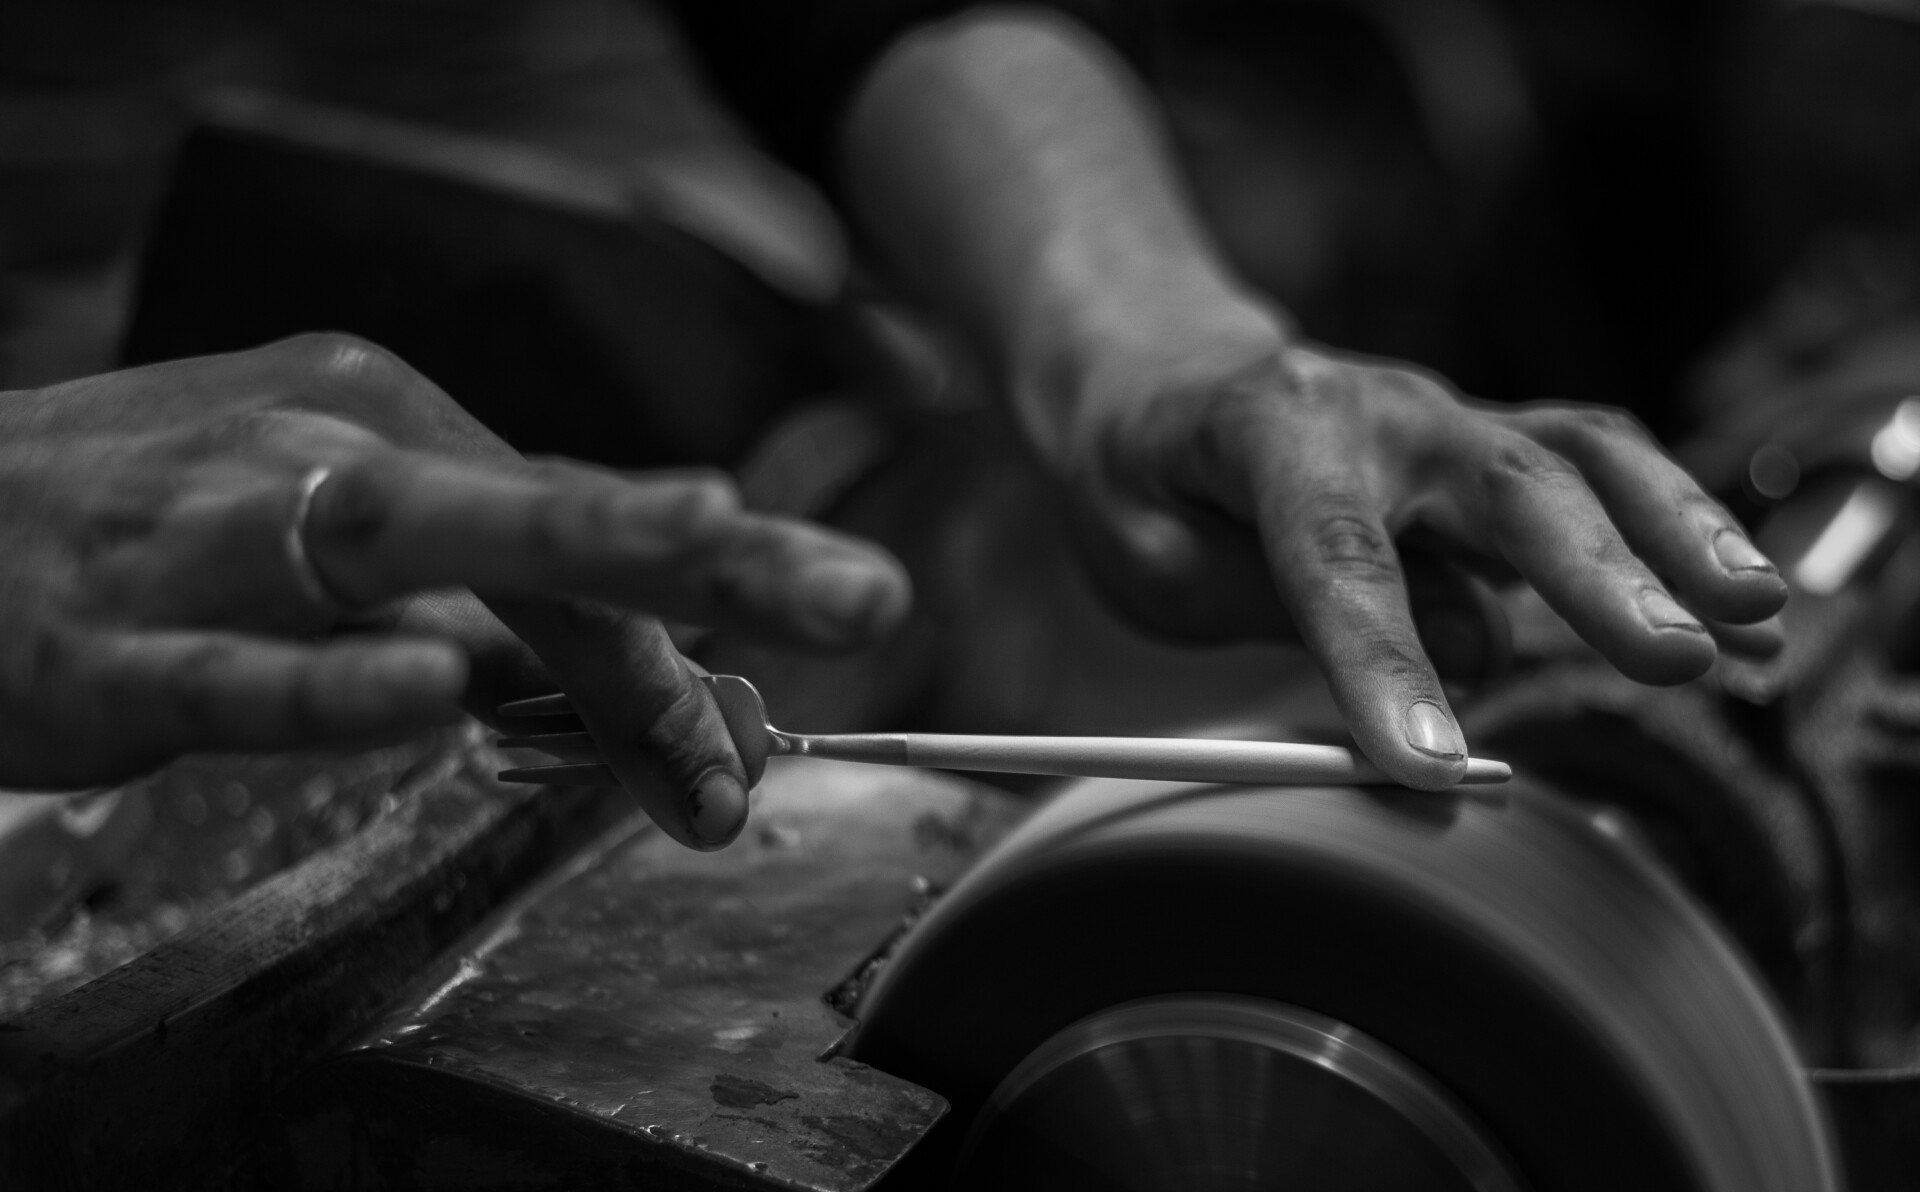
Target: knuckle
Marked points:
681	513
680	710
193	685
1516	468
1322	384
1606	422
633	688
1393	657
1582	430
1331	379
362	382
1603	545
337	358
594	515
702	504
1352	546
684	740
700	522
668	709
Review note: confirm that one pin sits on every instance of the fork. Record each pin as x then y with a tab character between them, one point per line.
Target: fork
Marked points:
1176	759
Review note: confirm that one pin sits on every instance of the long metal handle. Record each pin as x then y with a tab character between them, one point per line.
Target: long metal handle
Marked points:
1172	759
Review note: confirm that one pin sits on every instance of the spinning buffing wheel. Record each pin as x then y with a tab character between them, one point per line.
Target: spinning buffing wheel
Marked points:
1155	987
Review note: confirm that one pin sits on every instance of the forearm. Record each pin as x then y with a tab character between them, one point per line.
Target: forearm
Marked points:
1013	173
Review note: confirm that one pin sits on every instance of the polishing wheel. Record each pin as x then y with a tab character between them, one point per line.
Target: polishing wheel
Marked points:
1156	987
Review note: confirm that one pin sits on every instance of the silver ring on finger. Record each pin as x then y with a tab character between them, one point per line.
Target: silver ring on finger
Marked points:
306	577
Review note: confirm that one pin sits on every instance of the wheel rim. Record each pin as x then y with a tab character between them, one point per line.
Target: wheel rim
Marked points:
1216	1093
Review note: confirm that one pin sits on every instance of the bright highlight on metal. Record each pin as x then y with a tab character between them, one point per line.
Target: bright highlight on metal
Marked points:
1896	446
1848	540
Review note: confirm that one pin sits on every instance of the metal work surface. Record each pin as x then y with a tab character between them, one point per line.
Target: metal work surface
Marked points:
660	1014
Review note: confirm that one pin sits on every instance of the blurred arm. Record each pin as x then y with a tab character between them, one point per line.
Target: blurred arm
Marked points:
1015	173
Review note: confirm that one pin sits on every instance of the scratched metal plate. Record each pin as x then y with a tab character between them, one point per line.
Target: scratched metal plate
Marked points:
660	1013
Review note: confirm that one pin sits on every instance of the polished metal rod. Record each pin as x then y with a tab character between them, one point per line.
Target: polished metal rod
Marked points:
1166	759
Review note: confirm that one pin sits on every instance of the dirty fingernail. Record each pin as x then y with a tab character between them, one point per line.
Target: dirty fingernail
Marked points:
1433	732
1737	554
717	809
1663	612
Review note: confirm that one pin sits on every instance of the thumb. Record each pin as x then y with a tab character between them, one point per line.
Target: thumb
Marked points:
654	722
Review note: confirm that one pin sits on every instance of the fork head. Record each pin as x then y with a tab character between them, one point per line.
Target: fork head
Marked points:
746	716
740	707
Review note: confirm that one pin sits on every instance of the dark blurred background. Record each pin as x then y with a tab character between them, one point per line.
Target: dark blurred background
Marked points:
1575	198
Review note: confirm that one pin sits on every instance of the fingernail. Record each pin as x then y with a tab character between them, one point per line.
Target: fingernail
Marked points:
717	808
1737	554
1662	612
1433	732
852	598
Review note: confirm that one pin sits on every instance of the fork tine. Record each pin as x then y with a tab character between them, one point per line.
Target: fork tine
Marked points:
556	704
547	741
566	774
568	747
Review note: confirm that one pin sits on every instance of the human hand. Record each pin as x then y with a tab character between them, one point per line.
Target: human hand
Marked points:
1259	490
149	526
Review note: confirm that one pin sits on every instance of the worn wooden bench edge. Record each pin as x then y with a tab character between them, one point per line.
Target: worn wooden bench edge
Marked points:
150	1074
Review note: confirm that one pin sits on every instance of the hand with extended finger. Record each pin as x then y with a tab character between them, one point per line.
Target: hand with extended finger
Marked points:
1264	491
179	543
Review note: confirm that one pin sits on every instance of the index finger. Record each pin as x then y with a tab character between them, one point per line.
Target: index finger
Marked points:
1340	578
680	545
